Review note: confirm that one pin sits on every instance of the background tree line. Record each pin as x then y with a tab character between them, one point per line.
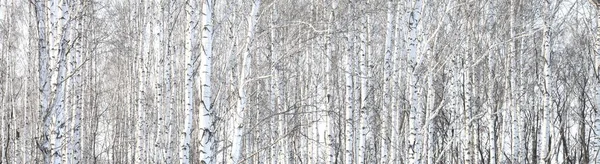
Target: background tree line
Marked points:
299	81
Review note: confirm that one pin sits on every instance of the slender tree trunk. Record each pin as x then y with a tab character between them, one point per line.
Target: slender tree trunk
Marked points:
274	82
545	129
332	133
349	100
158	80
169	87
142	148
385	119
77	88
191	56
236	150
44	79
416	112
59	97
206	112
364	87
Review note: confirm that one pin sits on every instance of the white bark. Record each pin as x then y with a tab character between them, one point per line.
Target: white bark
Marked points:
168	92
59	97
206	112
331	123
158	81
274	89
141	151
416	112
238	125
511	89
491	112
191	56
467	86
364	87
385	120
545	131
76	55
398	49
349	100
44	79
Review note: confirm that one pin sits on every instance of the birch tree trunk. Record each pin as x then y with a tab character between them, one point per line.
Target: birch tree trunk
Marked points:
332	129
59	100
385	119
158	80
364	86
490	92
191	56
416	112
546	50
349	100
44	79
238	125
76	55
143	55
492	113
206	112
274	57
511	89
169	87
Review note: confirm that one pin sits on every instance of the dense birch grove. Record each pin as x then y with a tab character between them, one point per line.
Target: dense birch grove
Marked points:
299	81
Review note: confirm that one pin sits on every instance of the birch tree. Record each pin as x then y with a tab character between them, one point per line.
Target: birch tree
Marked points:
416	111
385	123
191	56
545	132
206	112
349	98
452	81
141	122
44	79
236	150
59	98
